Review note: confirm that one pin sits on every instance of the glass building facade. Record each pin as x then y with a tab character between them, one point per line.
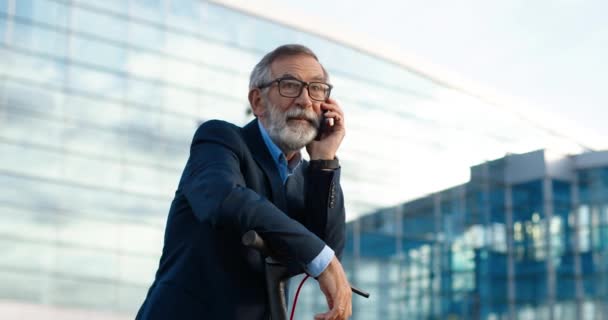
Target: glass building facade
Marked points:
525	238
98	104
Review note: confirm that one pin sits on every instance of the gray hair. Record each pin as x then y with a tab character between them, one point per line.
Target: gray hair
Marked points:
261	72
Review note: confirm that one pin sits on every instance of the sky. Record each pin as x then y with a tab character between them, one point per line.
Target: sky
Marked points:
549	54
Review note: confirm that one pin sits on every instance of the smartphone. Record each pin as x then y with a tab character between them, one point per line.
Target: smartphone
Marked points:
324	126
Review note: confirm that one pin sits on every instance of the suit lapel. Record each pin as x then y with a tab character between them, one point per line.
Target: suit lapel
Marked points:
262	156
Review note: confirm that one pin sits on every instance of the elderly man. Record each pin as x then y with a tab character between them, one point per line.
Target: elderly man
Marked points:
254	178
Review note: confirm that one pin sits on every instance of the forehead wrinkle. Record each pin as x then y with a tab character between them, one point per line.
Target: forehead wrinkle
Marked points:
299	67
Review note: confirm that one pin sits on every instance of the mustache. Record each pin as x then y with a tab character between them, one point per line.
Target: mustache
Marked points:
309	115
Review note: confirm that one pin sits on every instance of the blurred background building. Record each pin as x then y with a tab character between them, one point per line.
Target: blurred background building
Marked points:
98	104
525	238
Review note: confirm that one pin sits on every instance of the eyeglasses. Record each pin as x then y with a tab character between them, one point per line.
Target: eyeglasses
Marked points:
290	87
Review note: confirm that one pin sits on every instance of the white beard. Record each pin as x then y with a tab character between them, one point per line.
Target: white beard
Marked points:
291	135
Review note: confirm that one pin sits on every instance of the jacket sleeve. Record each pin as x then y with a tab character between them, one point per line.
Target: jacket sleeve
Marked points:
214	186
325	207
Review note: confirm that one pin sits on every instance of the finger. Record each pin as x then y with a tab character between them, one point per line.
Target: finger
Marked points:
333	314
331	105
321	316
335	117
333	101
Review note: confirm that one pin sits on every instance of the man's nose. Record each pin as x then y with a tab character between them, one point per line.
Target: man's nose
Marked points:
304	99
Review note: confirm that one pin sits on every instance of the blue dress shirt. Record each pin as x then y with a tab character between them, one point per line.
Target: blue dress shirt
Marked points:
322	260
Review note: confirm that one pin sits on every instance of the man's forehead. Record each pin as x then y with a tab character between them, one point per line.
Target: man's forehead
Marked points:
298	65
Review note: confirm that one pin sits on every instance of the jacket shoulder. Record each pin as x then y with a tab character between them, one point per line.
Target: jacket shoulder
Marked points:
218	131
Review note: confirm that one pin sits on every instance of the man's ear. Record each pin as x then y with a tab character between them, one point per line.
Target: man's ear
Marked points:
256	100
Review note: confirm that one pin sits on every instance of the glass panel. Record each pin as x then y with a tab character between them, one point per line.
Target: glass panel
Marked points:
141	124
250	32
178	130
227	58
99	24
96	83
146	36
23	284
141	240
216	23
34	225
185	14
44	11
93	172
44	196
20	159
4	36
219	107
150	10
29	256
138	269
223	83
183	74
32	69
30	100
184	46
118	6
98	53
39	40
141	179
17	128
82	108
145	94
84	292
182	101
129	295
145	65
4	6
89	138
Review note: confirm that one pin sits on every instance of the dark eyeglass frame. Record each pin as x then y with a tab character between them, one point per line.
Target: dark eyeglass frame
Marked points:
304	84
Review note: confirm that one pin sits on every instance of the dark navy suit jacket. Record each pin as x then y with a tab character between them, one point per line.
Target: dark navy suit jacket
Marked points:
231	185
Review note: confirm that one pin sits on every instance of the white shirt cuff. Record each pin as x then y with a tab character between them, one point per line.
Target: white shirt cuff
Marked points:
320	262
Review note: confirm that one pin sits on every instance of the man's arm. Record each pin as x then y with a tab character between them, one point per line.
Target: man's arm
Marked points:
216	190
325	207
332	280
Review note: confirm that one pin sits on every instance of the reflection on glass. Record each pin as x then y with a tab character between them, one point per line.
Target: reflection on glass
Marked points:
84	292
145	36
85	138
185	14
27	100
44	11
184	102
28	161
96	83
98	53
182	74
218	23
144	94
150	10
31	69
4	6
4	35
107	114
118	6
145	65
89	22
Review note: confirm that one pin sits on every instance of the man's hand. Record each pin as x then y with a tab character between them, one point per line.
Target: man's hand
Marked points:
331	136
337	292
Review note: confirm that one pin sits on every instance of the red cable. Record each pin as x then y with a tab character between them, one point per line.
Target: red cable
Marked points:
295	299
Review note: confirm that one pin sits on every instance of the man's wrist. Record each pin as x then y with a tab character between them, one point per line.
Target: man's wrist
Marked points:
325	164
